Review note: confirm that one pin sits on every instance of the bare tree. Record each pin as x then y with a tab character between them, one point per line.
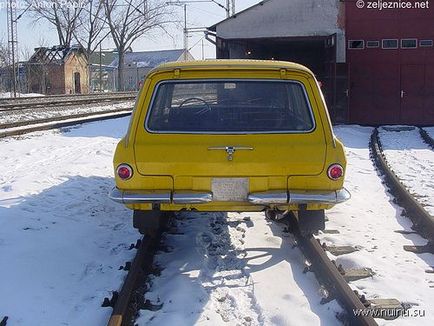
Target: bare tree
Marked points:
129	20
62	14
92	26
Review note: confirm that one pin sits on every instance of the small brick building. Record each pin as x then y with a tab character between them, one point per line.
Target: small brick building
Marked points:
58	70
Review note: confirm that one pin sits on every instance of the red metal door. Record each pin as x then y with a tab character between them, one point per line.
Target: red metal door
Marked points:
374	93
429	95
360	93
412	94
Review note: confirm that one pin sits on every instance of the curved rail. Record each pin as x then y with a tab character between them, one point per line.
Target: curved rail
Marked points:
329	274
426	138
422	220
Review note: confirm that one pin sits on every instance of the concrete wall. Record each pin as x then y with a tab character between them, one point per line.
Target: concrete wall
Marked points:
288	18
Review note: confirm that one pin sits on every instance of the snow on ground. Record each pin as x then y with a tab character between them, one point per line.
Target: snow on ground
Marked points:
8	95
233	269
61	239
370	220
44	113
412	160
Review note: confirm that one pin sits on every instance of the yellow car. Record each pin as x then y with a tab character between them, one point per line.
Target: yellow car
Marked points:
230	135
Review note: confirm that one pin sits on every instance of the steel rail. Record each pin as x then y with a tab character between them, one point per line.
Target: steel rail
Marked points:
125	309
422	220
58	118
58	123
40	104
426	138
335	282
60	96
121	306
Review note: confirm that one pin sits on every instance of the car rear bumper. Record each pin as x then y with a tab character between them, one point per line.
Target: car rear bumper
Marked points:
258	198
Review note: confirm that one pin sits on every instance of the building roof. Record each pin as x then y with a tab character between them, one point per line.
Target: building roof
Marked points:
282	18
149	58
107	57
56	54
214	27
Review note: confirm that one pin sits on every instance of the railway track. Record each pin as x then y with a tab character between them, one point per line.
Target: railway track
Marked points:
331	277
423	222
27	103
129	300
15	129
426	138
59	111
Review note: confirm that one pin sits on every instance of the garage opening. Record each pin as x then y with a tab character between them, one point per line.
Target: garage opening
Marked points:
318	53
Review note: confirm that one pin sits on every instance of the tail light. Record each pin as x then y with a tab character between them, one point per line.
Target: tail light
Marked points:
124	171
335	171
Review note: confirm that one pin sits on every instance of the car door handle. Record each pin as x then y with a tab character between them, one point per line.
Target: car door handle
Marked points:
402	94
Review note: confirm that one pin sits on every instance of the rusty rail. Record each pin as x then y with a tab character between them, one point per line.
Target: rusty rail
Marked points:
326	271
56	122
120	314
422	220
60	101
426	138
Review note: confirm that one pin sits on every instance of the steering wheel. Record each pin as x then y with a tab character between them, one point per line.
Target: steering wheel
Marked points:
197	99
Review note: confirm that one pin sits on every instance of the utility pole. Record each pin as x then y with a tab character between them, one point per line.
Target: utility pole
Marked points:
185	33
100	68
230	4
13	45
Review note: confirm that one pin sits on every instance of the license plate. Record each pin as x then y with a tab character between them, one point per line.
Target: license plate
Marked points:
230	189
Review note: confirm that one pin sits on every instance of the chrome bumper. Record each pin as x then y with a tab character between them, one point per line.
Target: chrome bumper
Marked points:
257	198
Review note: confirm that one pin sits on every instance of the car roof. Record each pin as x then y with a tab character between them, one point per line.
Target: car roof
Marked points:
229	64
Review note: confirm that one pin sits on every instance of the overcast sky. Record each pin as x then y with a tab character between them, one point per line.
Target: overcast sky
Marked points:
31	35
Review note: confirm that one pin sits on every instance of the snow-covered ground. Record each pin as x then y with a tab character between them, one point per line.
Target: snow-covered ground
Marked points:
44	113
412	160
62	242
371	221
233	269
8	95
61	239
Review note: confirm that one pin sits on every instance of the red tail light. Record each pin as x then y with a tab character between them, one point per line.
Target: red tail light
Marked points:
335	171
124	171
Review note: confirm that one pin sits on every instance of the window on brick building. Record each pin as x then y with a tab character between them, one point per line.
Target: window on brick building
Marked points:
408	43
425	43
356	44
372	44
389	44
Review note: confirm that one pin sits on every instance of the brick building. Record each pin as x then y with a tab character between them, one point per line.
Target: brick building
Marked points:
376	66
58	70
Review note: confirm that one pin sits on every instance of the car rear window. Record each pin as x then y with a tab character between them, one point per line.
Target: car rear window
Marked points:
236	106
